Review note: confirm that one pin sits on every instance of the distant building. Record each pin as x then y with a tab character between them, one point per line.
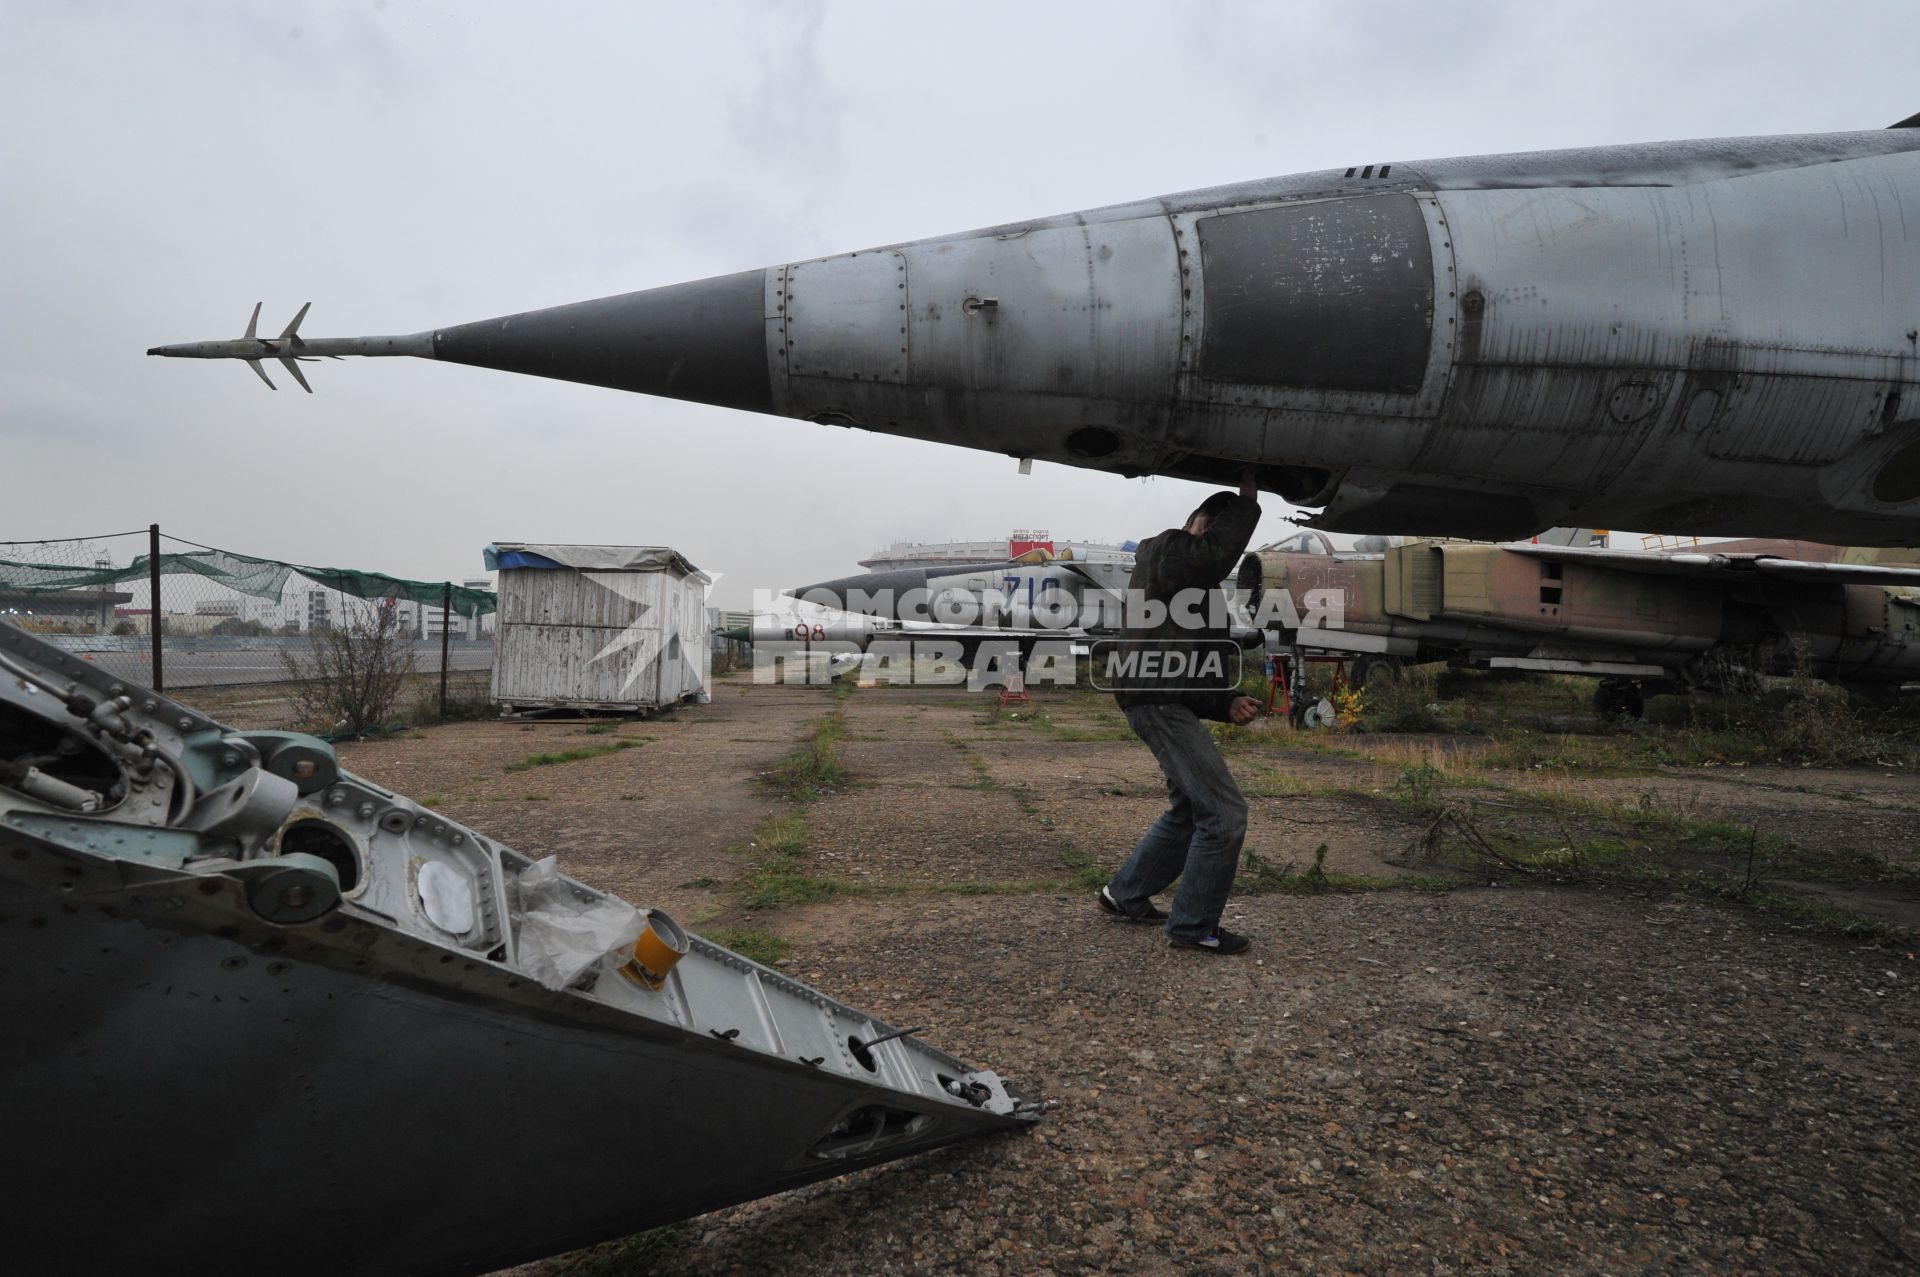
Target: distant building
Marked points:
435	621
480	626
79	606
319	611
182	623
922	554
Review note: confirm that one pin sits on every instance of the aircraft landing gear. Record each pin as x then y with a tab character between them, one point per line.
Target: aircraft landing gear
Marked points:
1619	698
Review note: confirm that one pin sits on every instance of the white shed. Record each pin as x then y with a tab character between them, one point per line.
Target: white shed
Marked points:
612	627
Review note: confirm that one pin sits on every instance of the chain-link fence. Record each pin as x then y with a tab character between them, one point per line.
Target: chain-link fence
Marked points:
247	638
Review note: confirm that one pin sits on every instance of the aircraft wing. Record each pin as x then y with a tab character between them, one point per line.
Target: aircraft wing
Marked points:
1706	564
1085	571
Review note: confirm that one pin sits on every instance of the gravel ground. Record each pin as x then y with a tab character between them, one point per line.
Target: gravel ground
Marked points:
1493	1079
1504	1080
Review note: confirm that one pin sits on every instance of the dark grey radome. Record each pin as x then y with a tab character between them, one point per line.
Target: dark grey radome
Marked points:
705	341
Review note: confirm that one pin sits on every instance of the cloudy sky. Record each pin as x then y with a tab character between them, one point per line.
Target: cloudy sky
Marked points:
407	165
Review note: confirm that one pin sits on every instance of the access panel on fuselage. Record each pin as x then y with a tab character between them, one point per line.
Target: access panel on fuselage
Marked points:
1327	295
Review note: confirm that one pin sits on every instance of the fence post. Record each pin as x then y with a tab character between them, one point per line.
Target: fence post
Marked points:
153	603
446	629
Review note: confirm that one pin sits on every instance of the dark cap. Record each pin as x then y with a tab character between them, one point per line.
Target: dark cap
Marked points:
1212	506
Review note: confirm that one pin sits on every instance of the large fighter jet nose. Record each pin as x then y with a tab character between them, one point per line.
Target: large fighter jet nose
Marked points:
885	594
705	341
825	593
869	593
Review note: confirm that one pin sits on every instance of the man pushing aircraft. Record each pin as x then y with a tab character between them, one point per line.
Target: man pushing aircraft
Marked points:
1175	667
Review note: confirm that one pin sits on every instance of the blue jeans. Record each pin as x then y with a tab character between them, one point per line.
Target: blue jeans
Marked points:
1197	839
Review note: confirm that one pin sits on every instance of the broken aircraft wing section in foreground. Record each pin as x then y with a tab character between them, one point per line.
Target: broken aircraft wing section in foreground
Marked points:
266	1016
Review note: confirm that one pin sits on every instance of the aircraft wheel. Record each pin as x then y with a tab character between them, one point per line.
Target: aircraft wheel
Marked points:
1374	669
1618	698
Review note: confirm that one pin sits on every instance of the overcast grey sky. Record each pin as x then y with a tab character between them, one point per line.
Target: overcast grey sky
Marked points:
408	165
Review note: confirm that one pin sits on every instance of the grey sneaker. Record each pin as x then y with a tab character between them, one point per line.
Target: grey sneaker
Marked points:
1221	941
1147	913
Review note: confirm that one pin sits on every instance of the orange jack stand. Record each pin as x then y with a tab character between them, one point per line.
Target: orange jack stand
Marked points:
1280	681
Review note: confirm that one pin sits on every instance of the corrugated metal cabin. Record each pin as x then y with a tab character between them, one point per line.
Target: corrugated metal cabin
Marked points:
599	627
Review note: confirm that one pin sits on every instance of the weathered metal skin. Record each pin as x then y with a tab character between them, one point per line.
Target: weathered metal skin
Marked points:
243	1037
1681	619
1708	337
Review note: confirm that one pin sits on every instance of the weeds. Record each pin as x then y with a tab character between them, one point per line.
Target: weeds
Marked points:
1317	875
750	942
1260	876
1041	719
1084	873
982	774
468	701
1539	722
1806	721
814	767
1643	845
1420	783
778	882
1818	915
532	761
779	876
1401	702
1272	784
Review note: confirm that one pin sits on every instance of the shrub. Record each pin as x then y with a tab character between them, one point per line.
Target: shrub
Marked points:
1401	703
468	699
350	676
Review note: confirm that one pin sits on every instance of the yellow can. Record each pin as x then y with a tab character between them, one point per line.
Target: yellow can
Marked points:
659	947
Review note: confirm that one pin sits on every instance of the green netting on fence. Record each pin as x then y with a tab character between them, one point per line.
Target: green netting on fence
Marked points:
261	578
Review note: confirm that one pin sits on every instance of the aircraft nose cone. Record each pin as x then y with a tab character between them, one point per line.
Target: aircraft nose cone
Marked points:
705	341
831	594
